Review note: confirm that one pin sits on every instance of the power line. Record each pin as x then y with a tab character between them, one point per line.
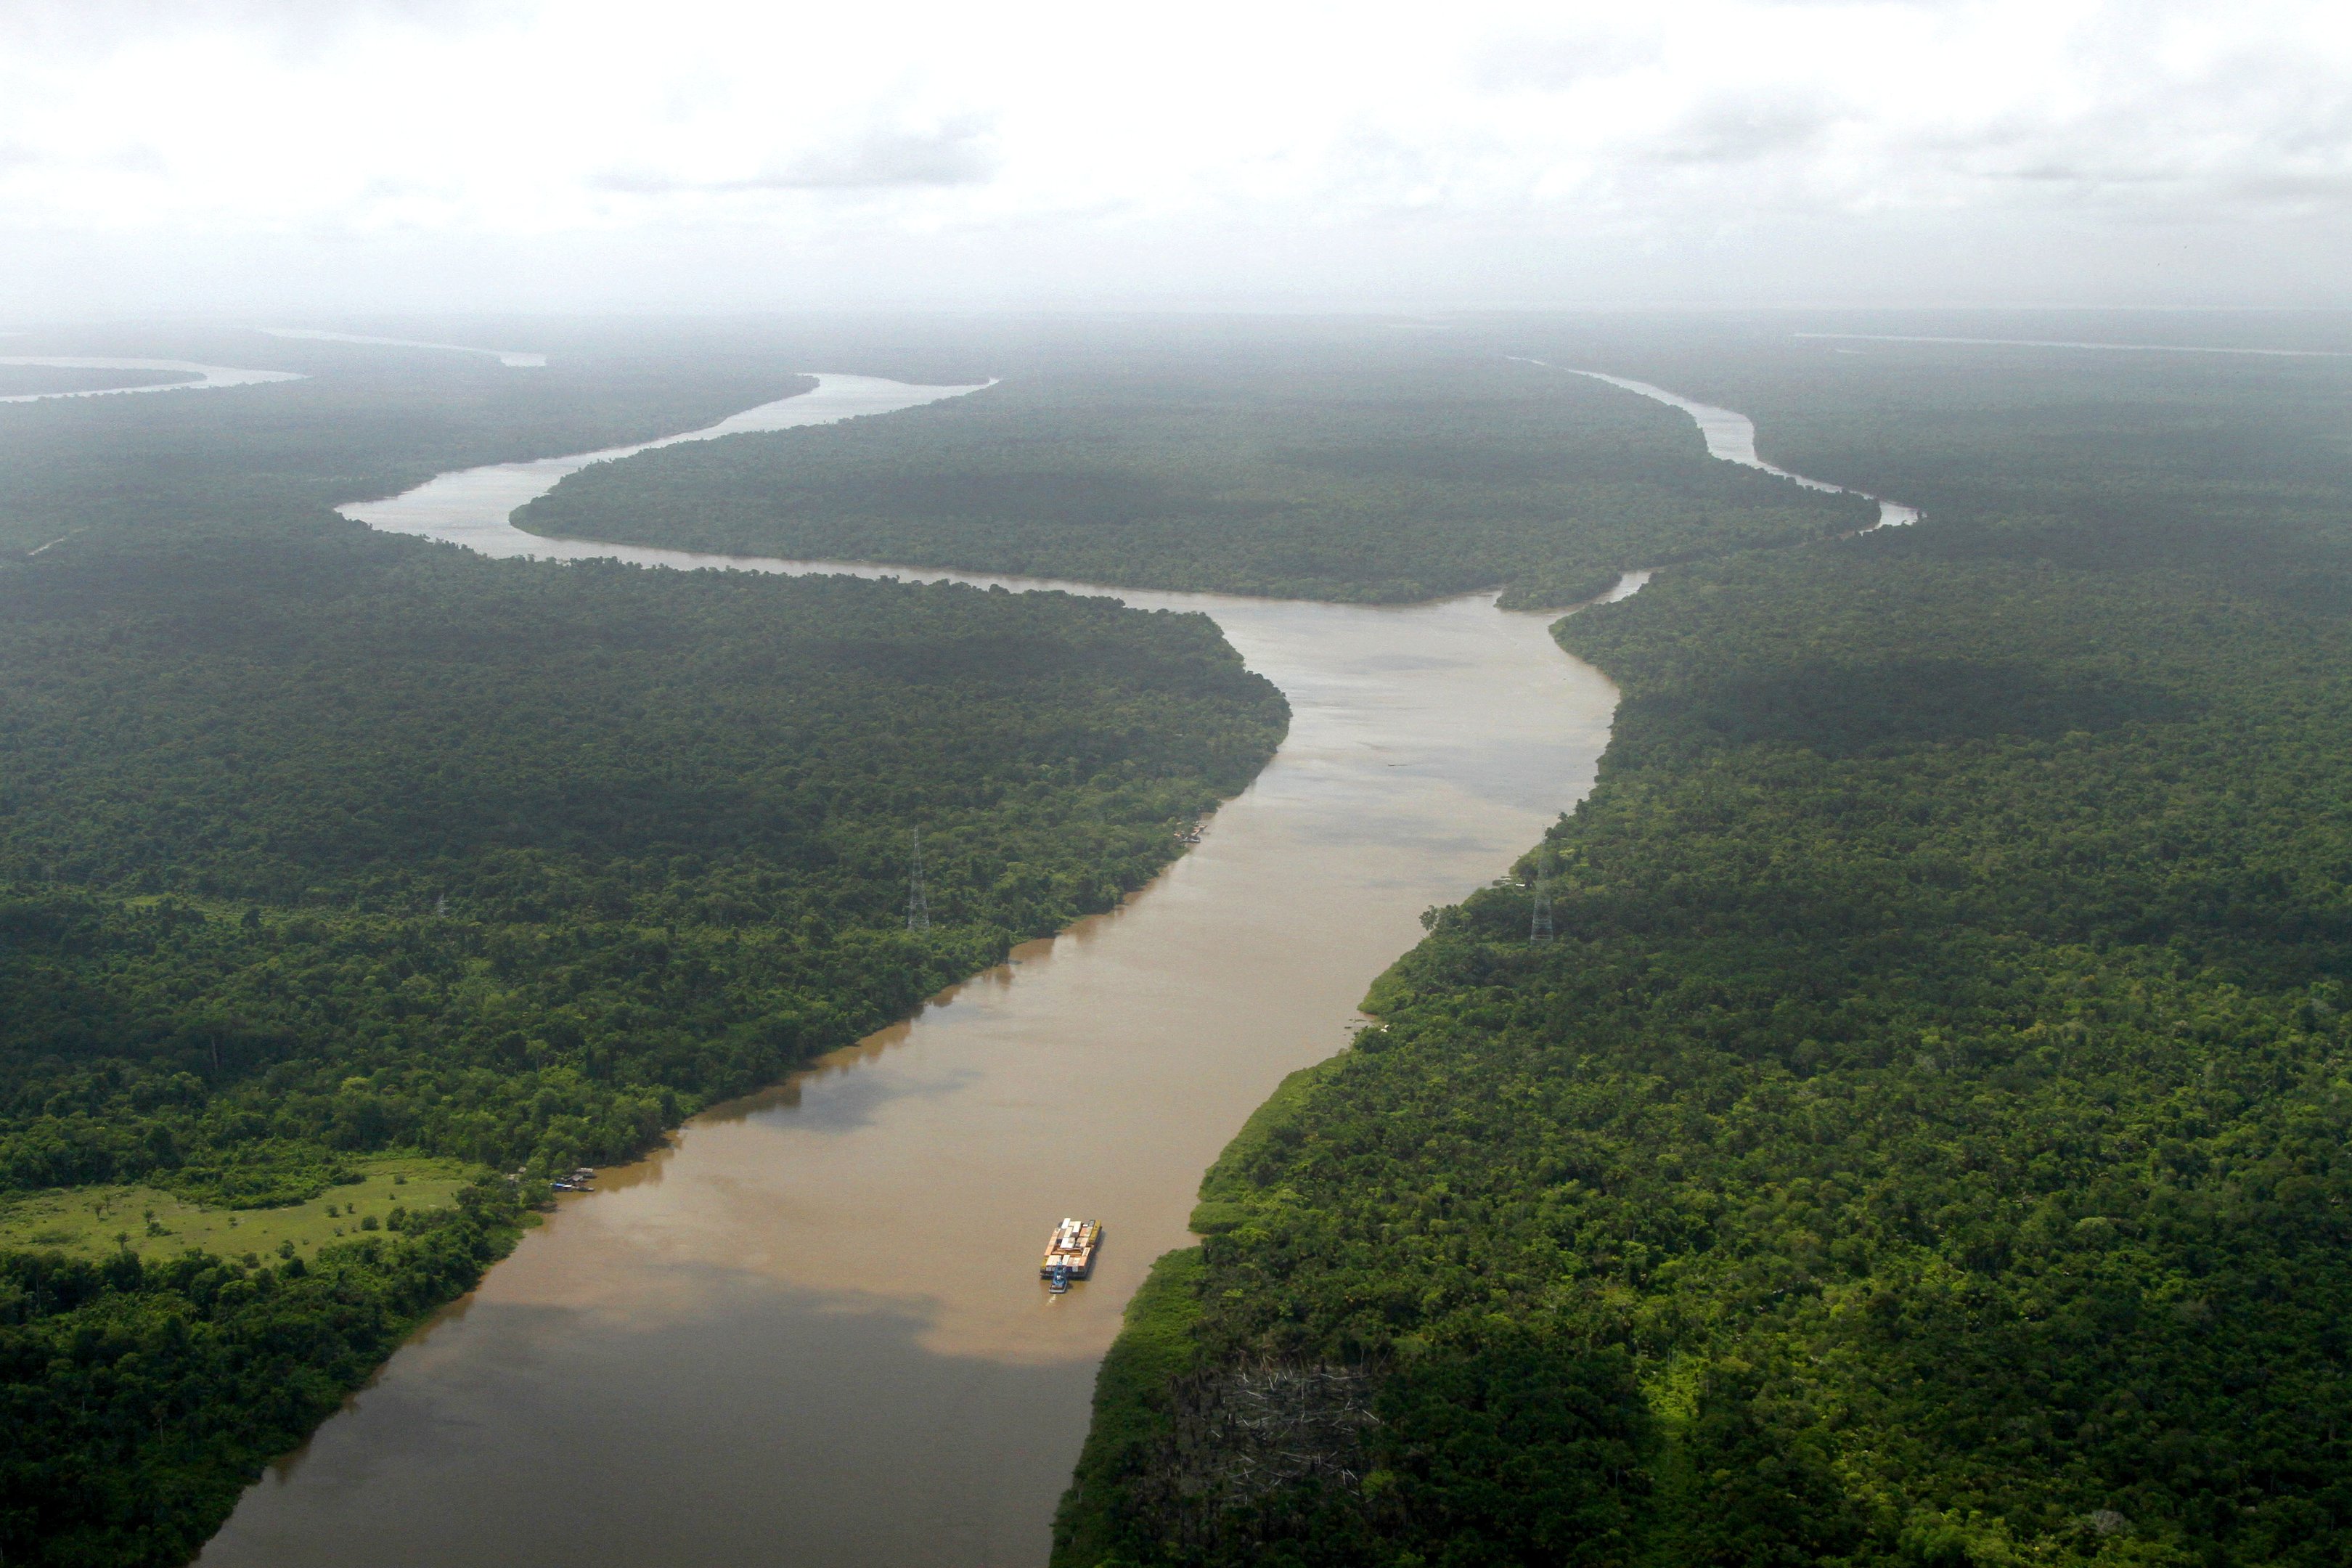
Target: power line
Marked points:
918	904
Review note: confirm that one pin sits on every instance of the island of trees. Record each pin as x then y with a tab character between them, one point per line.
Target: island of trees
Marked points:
1296	470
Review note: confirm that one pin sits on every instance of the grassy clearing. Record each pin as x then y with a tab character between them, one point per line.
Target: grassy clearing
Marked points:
93	1221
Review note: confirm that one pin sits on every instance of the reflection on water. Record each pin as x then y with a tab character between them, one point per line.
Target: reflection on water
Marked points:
811	1330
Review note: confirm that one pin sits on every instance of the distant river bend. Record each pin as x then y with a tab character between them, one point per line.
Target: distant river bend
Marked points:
809	1330
191	376
1731	435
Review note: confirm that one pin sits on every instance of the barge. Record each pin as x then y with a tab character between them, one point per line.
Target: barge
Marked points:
1070	1254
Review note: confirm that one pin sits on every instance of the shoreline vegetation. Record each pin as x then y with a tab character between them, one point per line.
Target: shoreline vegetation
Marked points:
1922	1141
336	865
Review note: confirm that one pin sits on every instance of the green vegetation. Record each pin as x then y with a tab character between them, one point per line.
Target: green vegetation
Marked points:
138	1398
159	1224
365	423
363	843
352	844
1154	1351
1327	473
338	871
1924	1141
2175	462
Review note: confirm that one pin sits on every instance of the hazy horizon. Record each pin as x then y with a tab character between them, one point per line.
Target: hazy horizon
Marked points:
260	158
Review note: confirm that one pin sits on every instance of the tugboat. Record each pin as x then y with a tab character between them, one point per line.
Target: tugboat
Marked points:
1070	1254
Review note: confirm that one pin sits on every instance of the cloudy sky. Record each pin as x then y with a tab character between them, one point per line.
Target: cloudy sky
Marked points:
224	155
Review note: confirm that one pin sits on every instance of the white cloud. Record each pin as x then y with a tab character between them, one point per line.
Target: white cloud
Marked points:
1375	150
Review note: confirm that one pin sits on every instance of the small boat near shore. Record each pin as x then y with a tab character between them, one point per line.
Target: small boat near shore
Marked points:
1070	1254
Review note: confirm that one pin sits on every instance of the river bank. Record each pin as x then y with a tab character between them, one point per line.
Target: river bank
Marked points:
1864	1171
834	1281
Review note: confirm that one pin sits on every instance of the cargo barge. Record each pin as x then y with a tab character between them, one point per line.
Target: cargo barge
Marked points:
1070	1254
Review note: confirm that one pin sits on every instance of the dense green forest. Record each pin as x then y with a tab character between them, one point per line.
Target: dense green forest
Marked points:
2181	458
365	423
1924	1139
1921	1140
363	796
316	844
1321	470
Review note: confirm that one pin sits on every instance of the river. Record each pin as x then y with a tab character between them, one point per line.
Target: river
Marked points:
1730	436
810	1331
206	376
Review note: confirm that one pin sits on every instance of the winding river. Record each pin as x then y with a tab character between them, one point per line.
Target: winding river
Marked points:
1731	435
809	1330
204	375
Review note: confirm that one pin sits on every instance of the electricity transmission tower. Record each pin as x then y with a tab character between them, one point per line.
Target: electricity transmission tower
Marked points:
1539	923
919	906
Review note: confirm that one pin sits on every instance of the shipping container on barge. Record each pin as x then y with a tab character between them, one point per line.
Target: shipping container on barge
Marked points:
1070	1254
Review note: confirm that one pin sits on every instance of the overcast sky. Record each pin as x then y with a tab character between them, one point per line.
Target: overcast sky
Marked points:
310	155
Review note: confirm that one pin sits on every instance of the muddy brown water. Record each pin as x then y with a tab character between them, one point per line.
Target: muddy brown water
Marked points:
810	1331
